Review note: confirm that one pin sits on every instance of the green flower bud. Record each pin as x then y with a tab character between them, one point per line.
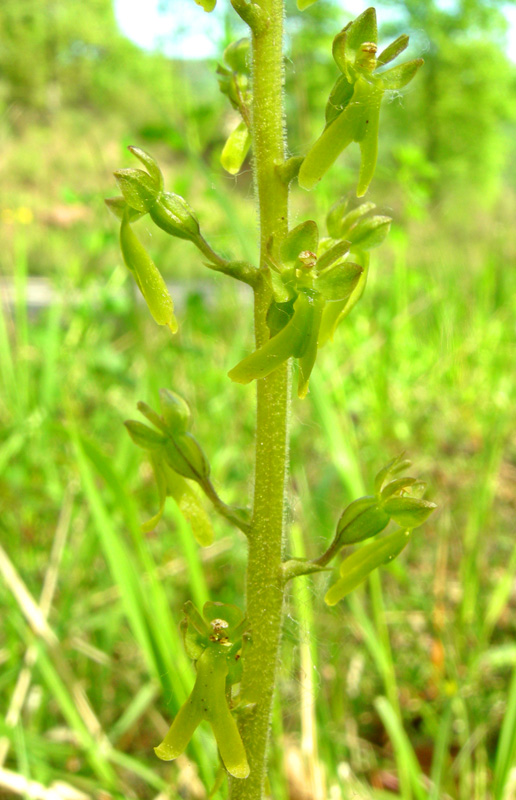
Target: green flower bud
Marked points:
176	411
409	512
184	454
172	214
361	520
138	188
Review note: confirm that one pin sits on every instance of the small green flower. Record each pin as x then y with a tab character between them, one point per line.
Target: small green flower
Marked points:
353	109
303	287
214	640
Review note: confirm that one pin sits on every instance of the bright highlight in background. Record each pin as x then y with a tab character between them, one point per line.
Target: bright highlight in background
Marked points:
184	30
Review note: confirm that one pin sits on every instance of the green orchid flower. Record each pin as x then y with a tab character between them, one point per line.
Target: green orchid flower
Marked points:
353	109
214	640
396	498
302	287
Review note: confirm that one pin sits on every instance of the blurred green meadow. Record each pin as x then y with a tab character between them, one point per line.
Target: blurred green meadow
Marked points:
408	689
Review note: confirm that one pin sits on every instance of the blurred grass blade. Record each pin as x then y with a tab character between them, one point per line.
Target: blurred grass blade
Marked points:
405	756
506	750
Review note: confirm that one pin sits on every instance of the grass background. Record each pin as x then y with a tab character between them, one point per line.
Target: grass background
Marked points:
408	688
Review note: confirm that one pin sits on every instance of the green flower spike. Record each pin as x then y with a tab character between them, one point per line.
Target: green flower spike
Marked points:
304	286
214	641
353	110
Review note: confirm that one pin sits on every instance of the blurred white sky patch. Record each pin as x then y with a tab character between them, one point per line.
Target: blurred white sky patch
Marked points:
184	30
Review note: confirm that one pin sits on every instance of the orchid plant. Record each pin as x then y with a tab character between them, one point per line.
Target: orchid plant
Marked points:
304	286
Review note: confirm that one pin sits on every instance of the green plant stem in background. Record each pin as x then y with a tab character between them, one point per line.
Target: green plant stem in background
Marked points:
266	536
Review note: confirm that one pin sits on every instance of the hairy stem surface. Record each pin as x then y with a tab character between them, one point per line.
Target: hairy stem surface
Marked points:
266	535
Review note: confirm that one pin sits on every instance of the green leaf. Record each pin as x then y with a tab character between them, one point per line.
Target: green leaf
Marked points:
303	238
176	411
151	166
338	282
148	277
236	148
138	188
361	520
409	512
398	77
143	436
393	50
303	4
173	215
363	561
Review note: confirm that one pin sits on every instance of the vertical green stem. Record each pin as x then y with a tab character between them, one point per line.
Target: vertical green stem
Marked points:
266	536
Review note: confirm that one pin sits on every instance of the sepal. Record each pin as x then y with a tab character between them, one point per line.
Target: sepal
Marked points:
409	512
138	188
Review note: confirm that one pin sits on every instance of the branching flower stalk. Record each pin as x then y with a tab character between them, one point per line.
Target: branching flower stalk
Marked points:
303	286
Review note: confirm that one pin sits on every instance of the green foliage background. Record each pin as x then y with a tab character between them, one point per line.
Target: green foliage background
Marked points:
425	363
